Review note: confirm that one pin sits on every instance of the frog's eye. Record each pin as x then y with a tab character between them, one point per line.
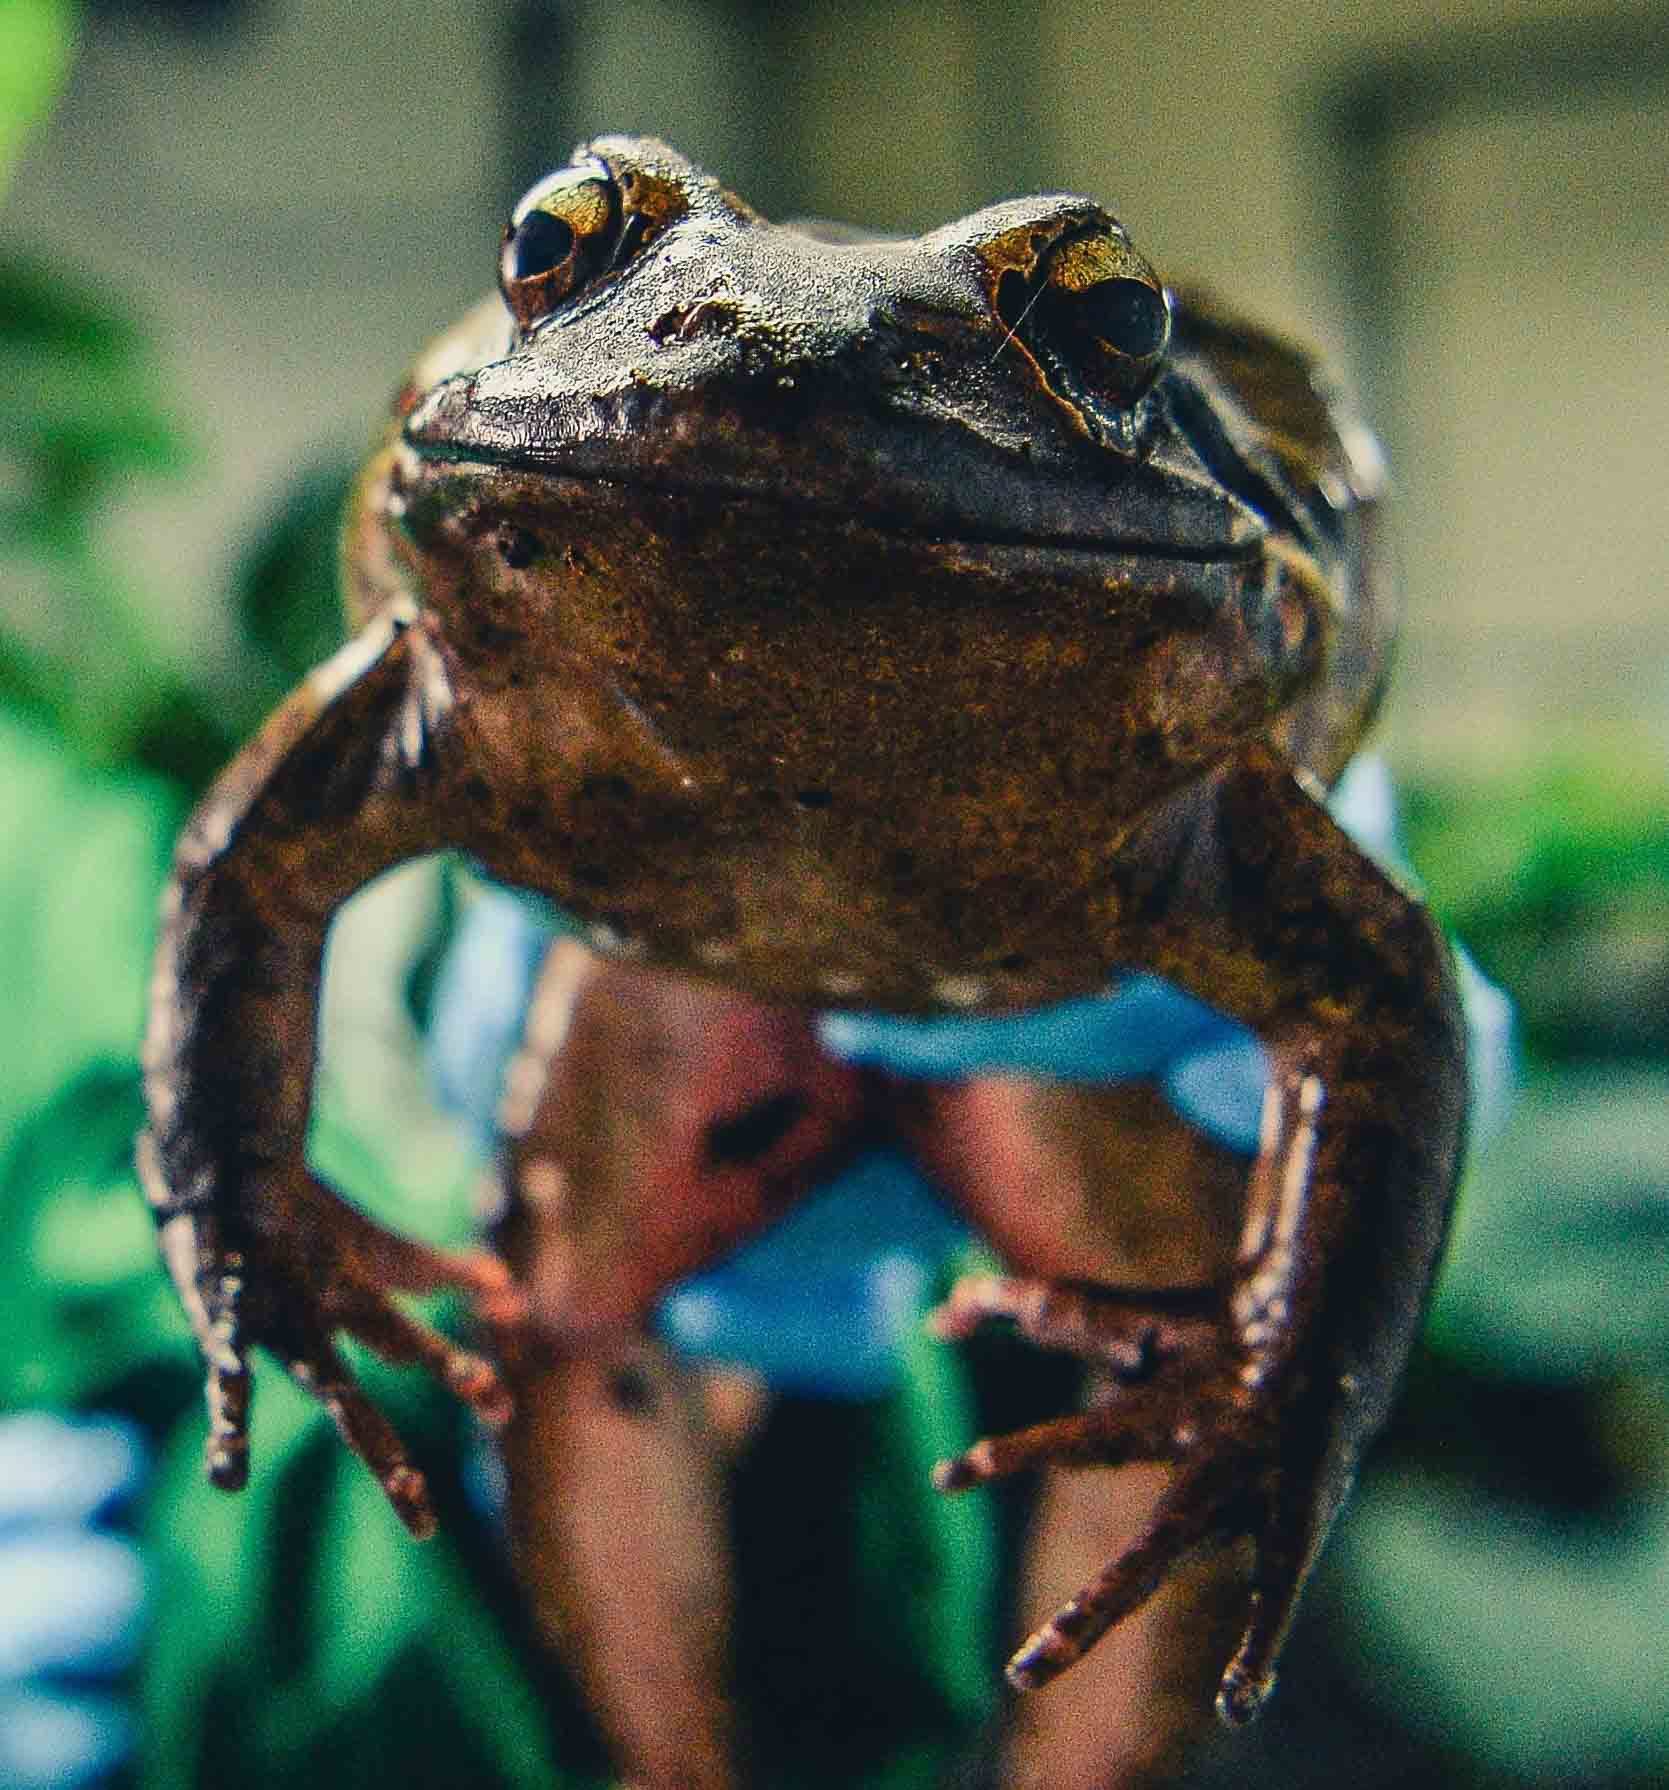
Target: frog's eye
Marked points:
1099	303
564	233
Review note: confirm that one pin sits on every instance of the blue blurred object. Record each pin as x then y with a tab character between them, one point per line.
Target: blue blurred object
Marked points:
822	1301
71	1599
1140	1028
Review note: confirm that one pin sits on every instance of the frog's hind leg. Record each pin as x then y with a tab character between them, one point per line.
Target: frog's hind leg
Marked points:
619	1529
652	1123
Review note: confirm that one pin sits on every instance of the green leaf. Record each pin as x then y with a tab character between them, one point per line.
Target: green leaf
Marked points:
89	1312
79	647
928	1561
79	1279
378	1132
1538	1648
37	39
1559	884
302	1637
78	895
285	588
57	314
79	421
1558	1268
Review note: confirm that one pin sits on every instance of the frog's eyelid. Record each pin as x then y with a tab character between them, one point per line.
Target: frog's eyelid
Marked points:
1011	330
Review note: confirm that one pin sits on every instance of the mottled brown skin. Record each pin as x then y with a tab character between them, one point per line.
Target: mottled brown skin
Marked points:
929	625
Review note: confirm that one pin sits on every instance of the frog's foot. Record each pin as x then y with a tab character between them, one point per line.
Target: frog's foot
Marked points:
327	1273
1174	1389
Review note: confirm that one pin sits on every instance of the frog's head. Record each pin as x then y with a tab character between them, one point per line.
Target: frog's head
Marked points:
931	561
990	381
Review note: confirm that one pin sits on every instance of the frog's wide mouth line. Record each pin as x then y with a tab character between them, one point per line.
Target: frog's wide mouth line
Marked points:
891	523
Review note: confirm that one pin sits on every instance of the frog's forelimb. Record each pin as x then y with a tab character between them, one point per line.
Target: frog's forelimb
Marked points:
328	795
1262	1393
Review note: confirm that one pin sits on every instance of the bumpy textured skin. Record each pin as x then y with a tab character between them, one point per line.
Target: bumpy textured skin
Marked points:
804	617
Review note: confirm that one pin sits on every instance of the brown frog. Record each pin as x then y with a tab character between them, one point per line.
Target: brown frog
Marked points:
931	626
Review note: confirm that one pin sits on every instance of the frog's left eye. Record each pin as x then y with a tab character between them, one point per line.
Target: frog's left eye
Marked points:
1097	302
563	234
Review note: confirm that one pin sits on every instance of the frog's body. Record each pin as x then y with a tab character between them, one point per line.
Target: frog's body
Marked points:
929	625
883	642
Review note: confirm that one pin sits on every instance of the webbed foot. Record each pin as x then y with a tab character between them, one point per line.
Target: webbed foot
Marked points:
1175	1386
293	1288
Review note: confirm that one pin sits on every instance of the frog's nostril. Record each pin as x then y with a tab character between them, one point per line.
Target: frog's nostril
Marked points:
715	315
518	548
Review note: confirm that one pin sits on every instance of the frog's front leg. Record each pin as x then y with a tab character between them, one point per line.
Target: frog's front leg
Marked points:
339	785
1260	1393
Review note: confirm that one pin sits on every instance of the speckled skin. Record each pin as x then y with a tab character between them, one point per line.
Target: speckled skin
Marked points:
852	623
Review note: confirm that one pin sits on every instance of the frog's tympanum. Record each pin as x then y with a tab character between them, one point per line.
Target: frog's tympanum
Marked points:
930	626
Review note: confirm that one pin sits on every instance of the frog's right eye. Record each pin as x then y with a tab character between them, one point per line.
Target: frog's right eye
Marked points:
564	233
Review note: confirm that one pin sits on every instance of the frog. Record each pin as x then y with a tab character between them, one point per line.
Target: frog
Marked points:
933	626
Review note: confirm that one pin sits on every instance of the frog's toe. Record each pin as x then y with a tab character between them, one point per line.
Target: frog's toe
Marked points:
318	1369
1285	1543
406	1341
1189	1514
226	1392
1141	1431
309	1268
1130	1331
383	1258
209	1279
1168	1391
353	1264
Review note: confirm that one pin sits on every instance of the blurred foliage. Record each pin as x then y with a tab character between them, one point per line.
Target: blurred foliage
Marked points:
80	645
1511	1558
284	589
1559	882
36	45
86	421
86	426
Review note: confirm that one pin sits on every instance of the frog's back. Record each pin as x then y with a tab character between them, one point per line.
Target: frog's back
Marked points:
1300	449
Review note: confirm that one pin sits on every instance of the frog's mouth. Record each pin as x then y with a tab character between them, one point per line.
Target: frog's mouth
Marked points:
918	476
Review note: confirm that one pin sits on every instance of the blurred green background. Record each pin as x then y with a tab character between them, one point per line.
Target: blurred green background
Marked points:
228	227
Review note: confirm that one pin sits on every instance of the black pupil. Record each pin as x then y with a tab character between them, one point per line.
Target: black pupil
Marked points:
1128	315
540	243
